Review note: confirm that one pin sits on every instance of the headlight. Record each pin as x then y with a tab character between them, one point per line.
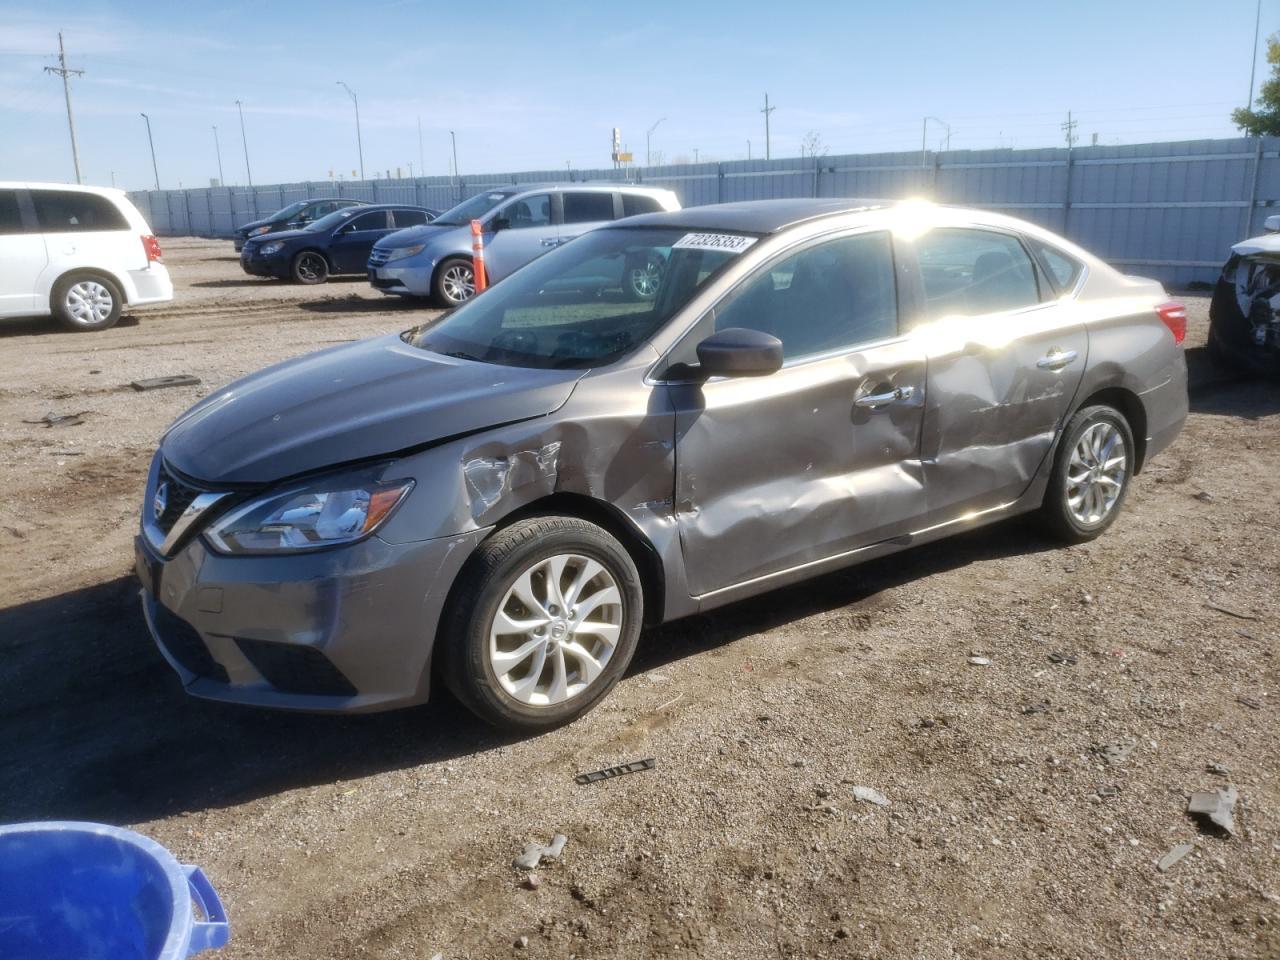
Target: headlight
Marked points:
399	253
275	246
326	513
258	231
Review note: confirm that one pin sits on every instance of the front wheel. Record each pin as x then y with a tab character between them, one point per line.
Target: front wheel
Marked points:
545	622
1091	474
310	267
455	281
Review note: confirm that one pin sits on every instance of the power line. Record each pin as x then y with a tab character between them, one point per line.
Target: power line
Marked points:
65	72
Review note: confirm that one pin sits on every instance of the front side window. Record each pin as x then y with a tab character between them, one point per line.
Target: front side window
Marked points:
971	272
69	211
288	213
528	212
573	307
319	210
584	207
10	215
472	209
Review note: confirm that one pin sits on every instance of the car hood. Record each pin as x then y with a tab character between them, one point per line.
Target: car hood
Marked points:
349	403
286	235
1267	245
246	227
419	234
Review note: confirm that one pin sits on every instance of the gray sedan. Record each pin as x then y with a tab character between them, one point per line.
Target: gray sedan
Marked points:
502	498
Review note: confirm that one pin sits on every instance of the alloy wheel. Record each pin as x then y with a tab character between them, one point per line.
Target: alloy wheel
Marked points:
90	302
556	629
1096	473
311	267
646	279
459	282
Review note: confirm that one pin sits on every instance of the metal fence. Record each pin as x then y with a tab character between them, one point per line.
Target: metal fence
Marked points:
1163	210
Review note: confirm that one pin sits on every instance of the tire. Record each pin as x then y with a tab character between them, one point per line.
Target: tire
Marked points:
1218	356
455	281
1085	494
565	670
309	266
86	302
642	277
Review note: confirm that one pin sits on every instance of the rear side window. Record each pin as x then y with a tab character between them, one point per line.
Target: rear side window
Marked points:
587	207
10	215
377	220
409	218
972	272
634	205
73	212
1063	270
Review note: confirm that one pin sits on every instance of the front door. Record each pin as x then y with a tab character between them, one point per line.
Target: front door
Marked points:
525	231
354	240
821	457
22	258
1005	359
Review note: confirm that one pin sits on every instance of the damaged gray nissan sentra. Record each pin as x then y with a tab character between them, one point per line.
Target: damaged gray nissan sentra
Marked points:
500	498
1244	316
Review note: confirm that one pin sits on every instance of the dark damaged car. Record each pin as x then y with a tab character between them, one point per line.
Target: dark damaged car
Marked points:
500	499
1244	315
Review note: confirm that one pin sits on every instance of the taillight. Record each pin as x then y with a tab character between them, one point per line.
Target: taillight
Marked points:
152	246
1174	316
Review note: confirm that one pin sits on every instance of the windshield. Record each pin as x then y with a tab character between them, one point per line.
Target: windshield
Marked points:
472	209
582	305
333	219
289	212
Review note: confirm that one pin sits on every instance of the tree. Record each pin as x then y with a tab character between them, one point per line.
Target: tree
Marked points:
1265	121
812	145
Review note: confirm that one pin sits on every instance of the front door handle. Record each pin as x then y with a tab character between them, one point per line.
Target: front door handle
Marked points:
1056	359
874	401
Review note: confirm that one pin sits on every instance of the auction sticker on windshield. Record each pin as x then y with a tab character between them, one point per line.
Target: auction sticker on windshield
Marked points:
727	242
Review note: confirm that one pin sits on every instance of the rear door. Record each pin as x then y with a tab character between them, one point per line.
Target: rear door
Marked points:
526	231
1005	359
585	210
86	229
352	242
821	457
22	256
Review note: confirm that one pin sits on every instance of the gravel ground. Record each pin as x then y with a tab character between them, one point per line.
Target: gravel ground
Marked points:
1011	829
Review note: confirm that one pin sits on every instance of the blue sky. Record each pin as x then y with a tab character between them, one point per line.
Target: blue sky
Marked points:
533	86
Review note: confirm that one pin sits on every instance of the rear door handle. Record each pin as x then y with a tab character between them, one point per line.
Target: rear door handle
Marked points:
874	401
551	241
1056	359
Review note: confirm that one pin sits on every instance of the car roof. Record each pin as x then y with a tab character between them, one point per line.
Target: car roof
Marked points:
37	185
757	216
389	206
515	188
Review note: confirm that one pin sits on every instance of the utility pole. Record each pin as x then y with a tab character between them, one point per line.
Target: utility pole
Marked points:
924	133
647	136
1257	22
154	168
766	111
695	154
454	139
63	71
222	182
245	141
748	149
359	143
422	163
1069	128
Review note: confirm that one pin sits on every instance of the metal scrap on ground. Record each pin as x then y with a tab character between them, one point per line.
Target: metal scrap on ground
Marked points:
610	772
155	383
1173	856
52	419
1215	806
534	853
870	795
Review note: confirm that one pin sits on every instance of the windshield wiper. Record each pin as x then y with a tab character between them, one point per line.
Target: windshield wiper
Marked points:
461	355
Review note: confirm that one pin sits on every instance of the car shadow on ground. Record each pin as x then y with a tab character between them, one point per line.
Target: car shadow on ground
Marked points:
97	727
253	281
1237	394
39	326
358	304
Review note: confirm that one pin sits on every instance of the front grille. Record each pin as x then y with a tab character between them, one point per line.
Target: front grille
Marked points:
294	668
183	642
179	495
378	257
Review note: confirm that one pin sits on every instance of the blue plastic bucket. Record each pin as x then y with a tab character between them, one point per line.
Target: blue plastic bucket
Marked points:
92	892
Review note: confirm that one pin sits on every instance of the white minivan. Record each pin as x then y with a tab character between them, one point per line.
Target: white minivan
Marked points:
79	254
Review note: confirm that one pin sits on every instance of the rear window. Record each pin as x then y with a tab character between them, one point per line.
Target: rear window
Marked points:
633	205
10	215
587	207
74	212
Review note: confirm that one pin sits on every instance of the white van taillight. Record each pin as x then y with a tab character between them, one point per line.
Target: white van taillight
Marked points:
152	246
1174	316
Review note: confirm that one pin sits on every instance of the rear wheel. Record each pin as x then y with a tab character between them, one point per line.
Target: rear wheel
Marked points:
642	277
310	267
455	281
86	302
1091	475
545	623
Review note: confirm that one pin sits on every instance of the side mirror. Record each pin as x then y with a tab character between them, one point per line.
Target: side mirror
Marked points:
738	352
499	223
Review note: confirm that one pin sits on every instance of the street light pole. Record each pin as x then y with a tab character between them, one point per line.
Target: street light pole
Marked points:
245	141
154	168
454	139
924	132
648	134
359	142
222	181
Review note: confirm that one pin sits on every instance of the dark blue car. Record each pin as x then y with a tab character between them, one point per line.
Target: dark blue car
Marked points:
336	244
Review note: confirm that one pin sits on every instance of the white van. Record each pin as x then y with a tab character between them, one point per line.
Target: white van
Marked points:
79	254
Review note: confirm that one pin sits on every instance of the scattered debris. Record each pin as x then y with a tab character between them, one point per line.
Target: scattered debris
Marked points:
870	795
1108	790
1216	806
67	453
1231	613
1041	707
1217	769
980	661
155	383
533	881
1249	702
1173	856
1068	659
1115	752
636	766
674	700
52	419
1204	496
522	942
534	852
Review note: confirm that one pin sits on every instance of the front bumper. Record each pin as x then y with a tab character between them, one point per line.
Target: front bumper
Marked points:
402	277
272	265
350	629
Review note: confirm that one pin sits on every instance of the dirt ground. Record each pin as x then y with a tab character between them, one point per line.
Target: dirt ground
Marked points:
1011	830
